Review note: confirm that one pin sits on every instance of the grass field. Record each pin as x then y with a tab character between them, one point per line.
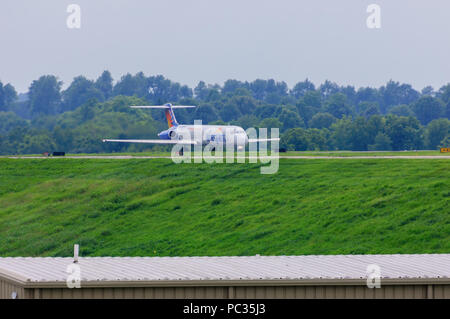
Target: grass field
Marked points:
144	207
290	153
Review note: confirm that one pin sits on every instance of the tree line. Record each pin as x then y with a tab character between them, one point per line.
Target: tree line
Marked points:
394	116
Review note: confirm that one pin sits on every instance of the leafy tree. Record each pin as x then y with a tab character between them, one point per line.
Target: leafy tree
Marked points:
306	112
350	93
382	143
231	86
301	88
444	93
201	90
318	139
2	98
309	105
328	89
104	83
267	110
277	88
45	95
37	141
206	113
322	120
338	116
134	85
63	138
342	134
290	119
229	112
401	110
368	109
312	98
258	88
375	125
87	109
435	132
79	92
295	139
395	93
245	104
273	98
360	136
157	89
337	106
206	92
8	95
9	121
404	132
213	95
428	90
270	122
247	121
367	94
163	90
428	108
184	92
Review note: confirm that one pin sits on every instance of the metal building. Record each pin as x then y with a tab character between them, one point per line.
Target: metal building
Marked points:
339	276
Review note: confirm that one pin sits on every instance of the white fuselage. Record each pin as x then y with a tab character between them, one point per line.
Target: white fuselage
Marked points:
208	134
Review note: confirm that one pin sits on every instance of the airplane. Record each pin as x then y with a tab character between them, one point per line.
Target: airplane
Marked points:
214	135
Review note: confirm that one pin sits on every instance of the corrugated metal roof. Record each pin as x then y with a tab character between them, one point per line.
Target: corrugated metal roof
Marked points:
47	269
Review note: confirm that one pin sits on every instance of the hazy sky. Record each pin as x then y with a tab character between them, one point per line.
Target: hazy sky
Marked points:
215	40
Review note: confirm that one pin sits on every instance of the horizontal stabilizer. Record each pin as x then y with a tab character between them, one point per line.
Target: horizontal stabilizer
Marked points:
256	140
154	141
161	106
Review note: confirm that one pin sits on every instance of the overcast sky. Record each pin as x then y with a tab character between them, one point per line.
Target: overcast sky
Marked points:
215	40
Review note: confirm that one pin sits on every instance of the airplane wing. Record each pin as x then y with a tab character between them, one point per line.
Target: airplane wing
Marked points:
161	106
256	140
153	141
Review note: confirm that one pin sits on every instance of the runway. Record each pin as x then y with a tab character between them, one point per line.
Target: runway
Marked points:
126	157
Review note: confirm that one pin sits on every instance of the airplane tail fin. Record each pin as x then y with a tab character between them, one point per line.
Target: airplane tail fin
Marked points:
170	116
168	110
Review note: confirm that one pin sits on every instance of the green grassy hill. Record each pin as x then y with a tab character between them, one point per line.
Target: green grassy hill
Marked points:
145	207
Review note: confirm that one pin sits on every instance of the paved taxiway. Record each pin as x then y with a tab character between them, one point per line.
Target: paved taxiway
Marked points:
212	157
